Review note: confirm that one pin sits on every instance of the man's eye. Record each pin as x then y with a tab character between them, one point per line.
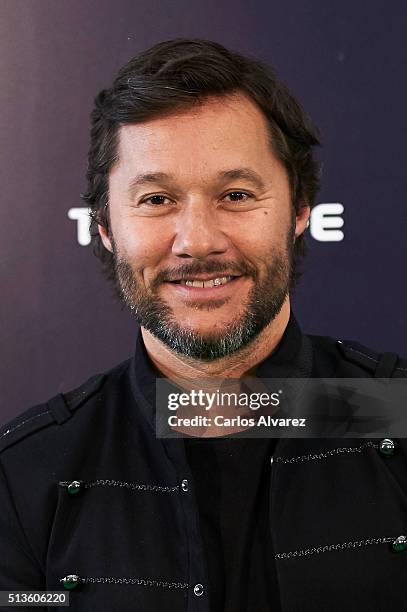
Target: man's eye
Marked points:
238	196
156	200
161	200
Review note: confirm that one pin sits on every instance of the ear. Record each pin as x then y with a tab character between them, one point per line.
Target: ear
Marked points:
104	235
301	219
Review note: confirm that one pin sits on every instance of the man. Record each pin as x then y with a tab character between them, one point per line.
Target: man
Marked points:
201	180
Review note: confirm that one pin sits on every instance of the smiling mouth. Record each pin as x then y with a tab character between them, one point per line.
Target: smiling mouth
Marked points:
205	283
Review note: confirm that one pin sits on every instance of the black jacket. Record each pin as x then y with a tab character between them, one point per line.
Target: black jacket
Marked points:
129	529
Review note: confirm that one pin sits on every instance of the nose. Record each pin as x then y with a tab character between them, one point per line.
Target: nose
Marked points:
198	233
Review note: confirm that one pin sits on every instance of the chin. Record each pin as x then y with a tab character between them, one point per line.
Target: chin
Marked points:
211	329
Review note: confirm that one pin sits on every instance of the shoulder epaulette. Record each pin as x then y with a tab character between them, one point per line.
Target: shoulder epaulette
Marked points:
74	399
28	422
56	411
383	365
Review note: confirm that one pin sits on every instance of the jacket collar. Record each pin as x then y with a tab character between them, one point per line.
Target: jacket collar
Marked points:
291	359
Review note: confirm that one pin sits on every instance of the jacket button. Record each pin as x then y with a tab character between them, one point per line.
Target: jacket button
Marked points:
75	487
399	544
198	590
184	485
387	447
70	582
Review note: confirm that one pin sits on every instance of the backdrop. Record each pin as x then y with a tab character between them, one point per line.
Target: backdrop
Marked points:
346	61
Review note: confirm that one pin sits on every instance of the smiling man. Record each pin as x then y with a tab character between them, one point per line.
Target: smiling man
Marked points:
200	184
212	202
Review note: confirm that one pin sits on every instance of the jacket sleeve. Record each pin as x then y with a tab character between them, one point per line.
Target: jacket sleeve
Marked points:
19	570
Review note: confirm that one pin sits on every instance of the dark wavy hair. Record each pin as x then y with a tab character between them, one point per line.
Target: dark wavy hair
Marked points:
178	73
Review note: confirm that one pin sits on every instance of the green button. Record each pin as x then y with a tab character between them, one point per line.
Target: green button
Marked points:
400	544
74	487
387	447
70	582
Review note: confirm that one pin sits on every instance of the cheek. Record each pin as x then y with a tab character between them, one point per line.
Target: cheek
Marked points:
259	235
142	244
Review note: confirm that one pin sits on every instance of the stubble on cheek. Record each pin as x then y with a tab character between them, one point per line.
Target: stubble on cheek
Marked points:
260	304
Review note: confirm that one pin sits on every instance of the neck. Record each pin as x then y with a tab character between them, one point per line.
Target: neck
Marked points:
175	366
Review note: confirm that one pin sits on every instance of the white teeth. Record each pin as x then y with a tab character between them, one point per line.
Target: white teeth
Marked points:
218	281
213	282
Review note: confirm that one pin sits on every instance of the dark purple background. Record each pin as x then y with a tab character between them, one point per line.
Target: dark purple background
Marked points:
345	61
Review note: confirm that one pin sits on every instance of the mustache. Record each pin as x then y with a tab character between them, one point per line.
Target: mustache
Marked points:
207	267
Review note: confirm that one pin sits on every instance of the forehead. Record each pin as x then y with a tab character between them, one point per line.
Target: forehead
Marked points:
230	126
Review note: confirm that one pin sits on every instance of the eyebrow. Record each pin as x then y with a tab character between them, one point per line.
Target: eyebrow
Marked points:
149	178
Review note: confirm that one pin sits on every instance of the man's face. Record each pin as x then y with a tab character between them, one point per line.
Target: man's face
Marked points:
202	226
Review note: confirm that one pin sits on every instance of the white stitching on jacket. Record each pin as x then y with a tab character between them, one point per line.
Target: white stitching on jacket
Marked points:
126	485
139	581
330	453
349	348
344	545
131	485
8	431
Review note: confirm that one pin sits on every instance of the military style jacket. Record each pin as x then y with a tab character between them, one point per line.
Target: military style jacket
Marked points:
93	502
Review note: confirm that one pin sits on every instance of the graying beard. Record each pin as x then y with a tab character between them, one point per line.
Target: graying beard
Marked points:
156	316
192	345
